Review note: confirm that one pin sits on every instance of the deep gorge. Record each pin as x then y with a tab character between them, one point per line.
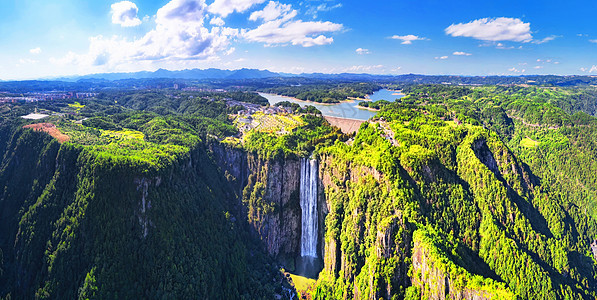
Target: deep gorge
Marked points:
437	218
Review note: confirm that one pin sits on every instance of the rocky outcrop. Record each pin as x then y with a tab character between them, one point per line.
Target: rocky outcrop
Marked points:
335	178
392	246
437	277
267	193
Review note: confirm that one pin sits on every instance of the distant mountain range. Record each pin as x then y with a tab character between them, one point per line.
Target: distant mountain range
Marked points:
182	74
216	74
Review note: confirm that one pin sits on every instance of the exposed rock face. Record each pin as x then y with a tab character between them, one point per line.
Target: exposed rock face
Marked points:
334	261
439	278
268	194
143	185
594	249
391	244
393	241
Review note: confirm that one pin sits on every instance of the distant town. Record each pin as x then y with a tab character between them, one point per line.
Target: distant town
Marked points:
34	97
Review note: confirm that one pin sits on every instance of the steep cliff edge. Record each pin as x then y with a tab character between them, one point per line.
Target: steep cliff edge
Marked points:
268	194
436	276
493	230
91	223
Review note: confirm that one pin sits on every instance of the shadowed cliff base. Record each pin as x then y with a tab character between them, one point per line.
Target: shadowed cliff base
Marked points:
308	266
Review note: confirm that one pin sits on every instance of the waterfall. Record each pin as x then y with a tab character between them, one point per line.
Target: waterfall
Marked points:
309	178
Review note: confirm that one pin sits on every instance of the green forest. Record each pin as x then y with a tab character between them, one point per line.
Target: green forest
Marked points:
461	192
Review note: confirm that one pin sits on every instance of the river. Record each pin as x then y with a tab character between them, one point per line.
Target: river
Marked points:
345	109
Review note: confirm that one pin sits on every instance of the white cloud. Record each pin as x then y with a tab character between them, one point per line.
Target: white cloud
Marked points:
545	40
27	61
362	51
514	70
441	57
124	13
272	11
365	69
583	69
179	34
226	7
593	69
186	34
493	29
314	10
503	46
279	28
35	50
408	39
593	41
460	53
217	21
283	31
538	67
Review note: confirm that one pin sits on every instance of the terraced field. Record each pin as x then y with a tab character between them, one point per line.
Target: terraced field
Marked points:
271	123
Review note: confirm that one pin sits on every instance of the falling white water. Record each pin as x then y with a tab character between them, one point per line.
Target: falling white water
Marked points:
309	172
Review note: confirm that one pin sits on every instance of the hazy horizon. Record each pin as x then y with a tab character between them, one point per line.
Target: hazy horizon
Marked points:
49	39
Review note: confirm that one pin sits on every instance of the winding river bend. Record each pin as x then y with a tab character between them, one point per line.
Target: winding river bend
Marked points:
345	109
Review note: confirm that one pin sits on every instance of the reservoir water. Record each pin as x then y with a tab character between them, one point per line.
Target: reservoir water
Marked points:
345	109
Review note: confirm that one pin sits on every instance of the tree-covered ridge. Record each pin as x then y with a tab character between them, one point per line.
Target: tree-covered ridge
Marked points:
476	191
132	206
504	219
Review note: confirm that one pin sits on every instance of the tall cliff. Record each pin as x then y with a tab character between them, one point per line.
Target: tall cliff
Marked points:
268	193
449	212
81	222
435	211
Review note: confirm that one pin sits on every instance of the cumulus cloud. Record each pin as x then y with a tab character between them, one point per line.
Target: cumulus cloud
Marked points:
493	29
362	51
184	33
503	46
514	70
179	34
593	69
124	13
538	67
441	57
217	21
27	61
408	39
226	7
35	50
372	68
272	11
460	53
547	39
593	41
315	10
283	29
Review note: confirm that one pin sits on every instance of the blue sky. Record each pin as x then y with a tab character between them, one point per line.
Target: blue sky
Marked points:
45	38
